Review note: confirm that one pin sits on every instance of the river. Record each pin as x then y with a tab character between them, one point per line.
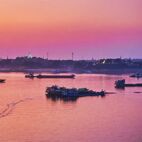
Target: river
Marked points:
27	115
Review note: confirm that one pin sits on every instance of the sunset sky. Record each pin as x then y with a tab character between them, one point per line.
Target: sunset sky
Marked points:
89	28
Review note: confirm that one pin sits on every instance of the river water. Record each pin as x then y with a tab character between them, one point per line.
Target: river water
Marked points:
27	115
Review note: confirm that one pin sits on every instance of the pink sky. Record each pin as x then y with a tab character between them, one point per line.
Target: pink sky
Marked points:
90	28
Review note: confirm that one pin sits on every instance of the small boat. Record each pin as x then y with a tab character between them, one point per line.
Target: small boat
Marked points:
137	75
62	92
121	84
2	80
30	75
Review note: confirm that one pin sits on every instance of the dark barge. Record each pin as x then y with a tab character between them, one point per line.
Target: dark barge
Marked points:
122	84
40	76
55	76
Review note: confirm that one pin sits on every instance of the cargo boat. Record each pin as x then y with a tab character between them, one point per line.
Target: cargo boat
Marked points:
62	92
122	84
55	76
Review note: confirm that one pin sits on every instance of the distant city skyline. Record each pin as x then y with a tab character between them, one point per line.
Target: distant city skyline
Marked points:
90	29
70	57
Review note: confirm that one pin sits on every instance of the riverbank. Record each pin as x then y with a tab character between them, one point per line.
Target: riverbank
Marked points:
55	71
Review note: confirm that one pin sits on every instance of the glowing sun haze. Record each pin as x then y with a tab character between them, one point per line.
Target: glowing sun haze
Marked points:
89	28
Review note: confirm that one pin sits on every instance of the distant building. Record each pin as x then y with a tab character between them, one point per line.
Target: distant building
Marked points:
29	56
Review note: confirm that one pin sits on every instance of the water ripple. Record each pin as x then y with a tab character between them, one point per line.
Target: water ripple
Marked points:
9	107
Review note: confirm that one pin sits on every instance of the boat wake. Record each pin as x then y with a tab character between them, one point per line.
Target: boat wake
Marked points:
11	106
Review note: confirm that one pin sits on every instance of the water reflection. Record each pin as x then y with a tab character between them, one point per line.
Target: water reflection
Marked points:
11	106
64	99
84	119
69	99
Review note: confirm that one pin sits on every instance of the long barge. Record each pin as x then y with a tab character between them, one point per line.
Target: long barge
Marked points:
49	76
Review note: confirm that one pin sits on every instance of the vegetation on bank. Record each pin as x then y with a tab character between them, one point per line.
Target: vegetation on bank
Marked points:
87	66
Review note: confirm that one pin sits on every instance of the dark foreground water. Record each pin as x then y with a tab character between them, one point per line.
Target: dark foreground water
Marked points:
26	115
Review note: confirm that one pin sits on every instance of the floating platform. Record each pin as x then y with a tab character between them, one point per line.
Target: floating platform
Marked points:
134	85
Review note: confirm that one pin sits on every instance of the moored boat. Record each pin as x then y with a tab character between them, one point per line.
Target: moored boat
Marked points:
55	76
30	75
40	76
122	84
61	92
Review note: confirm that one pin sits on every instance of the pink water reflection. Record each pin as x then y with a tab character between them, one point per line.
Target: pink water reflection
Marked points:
117	117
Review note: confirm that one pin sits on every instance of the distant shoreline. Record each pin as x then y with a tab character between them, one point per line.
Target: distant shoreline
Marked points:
41	65
96	71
